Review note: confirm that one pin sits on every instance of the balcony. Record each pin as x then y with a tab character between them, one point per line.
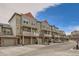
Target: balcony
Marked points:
34	26
29	25
1	33
25	33
57	36
34	34
47	35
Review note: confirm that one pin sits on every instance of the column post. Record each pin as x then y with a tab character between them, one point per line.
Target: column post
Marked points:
31	36
31	40
23	40
38	41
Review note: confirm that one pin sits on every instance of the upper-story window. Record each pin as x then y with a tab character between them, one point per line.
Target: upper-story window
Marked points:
34	30
0	29
33	23
7	31
48	32
27	29
25	22
43	26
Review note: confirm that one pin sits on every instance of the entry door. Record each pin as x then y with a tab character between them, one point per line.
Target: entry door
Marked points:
18	41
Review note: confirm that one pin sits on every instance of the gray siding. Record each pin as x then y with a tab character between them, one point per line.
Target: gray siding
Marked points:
13	25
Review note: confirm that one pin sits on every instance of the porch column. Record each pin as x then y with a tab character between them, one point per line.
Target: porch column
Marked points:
0	41
23	40
31	36
38	41
31	40
16	41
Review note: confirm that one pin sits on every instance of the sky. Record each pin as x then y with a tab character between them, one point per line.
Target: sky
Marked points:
7	9
64	16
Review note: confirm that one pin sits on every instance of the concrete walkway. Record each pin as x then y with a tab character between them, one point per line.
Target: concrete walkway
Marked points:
17	50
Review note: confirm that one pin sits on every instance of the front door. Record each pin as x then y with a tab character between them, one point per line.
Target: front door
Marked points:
18	41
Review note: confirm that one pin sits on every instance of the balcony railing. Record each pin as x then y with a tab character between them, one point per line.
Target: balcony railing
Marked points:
1	33
30	33
26	33
34	34
48	35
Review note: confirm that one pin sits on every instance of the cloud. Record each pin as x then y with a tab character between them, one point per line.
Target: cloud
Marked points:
7	9
71	28
68	33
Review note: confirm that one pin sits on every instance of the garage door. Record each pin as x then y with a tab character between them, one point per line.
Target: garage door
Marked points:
27	41
8	42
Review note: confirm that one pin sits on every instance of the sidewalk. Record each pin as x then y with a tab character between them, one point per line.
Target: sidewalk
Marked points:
17	50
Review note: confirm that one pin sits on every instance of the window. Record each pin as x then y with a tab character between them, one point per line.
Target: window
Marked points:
27	29
25	22
34	30
43	26
7	31
33	23
48	32
4	31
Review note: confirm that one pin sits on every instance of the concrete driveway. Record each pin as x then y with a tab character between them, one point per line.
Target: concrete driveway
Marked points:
54	49
57	49
18	50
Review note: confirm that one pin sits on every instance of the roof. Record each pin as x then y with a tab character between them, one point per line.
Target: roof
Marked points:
29	16
8	36
13	16
5	25
55	26
45	21
39	21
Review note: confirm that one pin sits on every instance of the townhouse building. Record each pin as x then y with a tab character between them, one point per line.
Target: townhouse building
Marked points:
74	35
45	32
25	29
58	35
6	35
29	30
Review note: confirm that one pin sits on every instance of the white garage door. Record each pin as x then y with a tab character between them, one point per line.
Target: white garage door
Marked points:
9	42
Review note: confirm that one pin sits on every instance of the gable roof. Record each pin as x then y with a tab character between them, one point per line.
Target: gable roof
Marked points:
28	15
5	25
13	16
45	21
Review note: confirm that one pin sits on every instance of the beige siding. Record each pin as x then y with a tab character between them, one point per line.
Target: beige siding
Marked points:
18	25
38	27
0	30
27	20
13	25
